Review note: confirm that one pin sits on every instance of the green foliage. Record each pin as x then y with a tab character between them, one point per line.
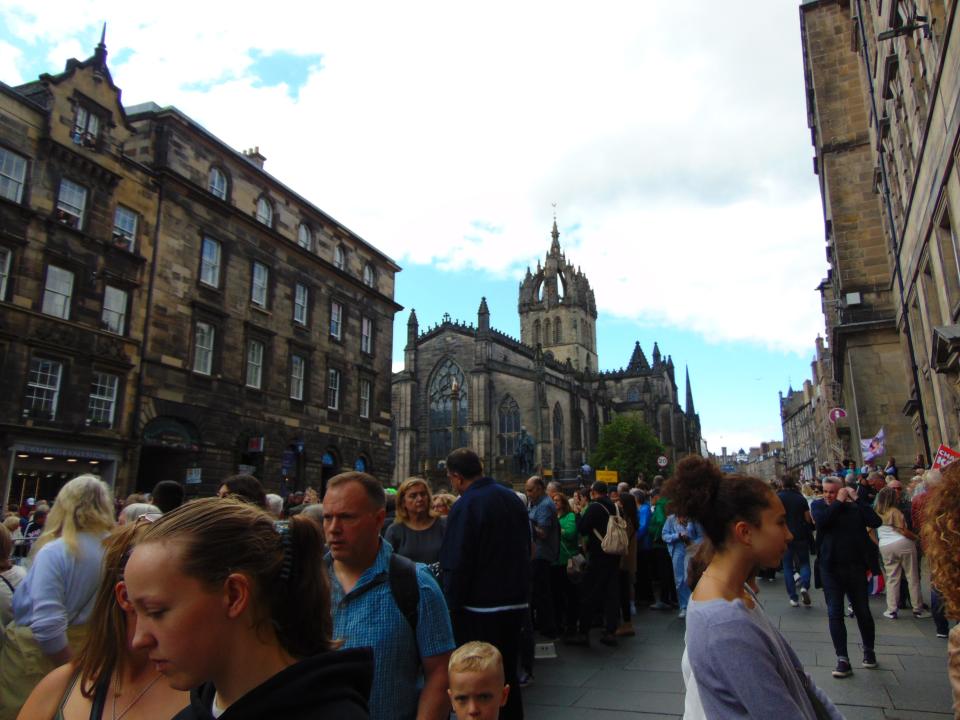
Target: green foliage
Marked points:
628	445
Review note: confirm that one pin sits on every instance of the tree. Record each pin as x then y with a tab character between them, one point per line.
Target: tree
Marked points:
627	445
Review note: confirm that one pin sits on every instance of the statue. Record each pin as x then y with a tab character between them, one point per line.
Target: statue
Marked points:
523	455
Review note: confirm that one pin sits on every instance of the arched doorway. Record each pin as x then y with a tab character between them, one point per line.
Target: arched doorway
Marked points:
169	446
329	466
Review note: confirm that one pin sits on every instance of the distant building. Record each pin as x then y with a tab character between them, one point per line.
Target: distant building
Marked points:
473	385
767	461
796	414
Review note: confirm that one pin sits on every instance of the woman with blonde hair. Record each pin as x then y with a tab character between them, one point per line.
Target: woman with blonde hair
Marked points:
54	602
442	502
236	608
106	671
417	532
898	549
941	537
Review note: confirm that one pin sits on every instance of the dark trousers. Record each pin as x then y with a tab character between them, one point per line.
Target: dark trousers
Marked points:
600	592
541	604
849	581
663	572
502	630
938	611
566	601
644	585
624	583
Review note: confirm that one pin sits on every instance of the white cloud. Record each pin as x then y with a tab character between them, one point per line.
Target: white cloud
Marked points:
672	136
9	59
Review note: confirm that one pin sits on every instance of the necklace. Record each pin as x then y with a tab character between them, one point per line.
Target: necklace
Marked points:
135	700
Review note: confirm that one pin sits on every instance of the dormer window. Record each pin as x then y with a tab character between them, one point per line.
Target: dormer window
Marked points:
86	128
339	258
304	237
265	212
368	275
217	183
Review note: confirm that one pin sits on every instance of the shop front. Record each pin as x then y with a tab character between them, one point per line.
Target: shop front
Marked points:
39	469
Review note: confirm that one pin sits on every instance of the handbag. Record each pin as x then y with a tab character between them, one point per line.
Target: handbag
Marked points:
576	567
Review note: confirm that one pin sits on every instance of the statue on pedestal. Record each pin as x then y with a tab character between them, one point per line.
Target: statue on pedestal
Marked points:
523	455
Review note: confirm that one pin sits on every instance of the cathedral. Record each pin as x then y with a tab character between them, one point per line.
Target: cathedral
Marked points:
472	385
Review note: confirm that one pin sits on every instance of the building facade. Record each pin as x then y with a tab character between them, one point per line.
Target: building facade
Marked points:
466	385
883	95
169	310
796	415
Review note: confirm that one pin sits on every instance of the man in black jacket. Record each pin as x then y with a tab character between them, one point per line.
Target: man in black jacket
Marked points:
485	561
600	582
843	557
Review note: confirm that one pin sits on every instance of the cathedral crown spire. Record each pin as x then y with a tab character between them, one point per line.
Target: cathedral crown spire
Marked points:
555	234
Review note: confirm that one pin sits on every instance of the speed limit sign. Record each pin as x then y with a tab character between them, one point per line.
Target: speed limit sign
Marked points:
662	461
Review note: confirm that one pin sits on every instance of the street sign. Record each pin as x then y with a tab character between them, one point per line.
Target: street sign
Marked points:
193	476
837	413
662	461
607	476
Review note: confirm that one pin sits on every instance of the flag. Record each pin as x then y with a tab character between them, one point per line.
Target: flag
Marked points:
945	456
874	447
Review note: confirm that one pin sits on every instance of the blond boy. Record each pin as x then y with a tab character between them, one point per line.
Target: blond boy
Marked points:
477	689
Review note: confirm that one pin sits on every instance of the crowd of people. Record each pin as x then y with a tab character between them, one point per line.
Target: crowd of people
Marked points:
382	603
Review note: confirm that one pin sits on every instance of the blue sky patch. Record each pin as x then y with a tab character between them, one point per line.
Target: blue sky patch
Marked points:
282	67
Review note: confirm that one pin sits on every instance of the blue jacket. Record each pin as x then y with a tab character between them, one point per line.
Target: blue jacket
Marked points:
485	556
644	512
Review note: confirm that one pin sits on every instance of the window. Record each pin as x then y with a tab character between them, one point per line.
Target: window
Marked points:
297	371
365	388
125	227
103	399
304	237
557	332
258	285
339	258
210	262
114	316
265	212
13	173
441	410
368	276
57	292
333	389
509	426
536	333
203	339
6	257
366	335
71	204
43	388
86	127
558	454
301	298
217	183
254	364
336	320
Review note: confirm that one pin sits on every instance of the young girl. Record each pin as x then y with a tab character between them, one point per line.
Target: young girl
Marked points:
238	609
742	664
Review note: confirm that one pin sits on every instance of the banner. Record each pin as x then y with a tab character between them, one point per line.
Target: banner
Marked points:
945	456
874	447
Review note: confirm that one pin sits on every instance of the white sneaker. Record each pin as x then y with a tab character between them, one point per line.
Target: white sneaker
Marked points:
794	603
682	614
890	614
805	596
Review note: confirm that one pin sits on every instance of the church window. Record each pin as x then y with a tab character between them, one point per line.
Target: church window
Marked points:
442	440
509	416
557	332
633	394
557	439
547	337
536	333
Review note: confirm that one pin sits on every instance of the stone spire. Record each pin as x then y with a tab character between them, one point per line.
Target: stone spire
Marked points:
690	412
555	234
638	361
100	54
483	315
413	328
656	354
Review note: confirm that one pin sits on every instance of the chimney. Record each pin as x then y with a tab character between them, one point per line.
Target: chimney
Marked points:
253	155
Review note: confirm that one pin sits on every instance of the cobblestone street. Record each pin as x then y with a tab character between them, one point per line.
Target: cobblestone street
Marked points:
641	678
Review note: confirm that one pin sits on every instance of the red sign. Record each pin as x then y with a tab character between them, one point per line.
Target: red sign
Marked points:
255	444
944	457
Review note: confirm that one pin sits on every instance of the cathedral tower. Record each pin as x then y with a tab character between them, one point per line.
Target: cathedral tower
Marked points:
558	310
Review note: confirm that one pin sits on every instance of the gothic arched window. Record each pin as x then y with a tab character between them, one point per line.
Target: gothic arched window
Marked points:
633	394
536	333
509	426
441	409
547	337
557	332
557	439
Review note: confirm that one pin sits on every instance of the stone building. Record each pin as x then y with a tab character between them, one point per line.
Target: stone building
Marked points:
796	414
474	385
883	91
157	277
766	461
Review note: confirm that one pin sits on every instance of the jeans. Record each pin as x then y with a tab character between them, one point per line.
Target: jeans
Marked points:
849	580
797	557
678	558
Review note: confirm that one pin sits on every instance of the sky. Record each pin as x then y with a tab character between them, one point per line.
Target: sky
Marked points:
670	137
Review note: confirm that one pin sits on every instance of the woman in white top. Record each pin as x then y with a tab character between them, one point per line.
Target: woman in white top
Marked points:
898	548
10	576
53	603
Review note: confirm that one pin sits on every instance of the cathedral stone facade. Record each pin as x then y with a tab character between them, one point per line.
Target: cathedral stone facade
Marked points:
472	385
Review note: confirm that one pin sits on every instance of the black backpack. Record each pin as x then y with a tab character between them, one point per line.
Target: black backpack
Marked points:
402	577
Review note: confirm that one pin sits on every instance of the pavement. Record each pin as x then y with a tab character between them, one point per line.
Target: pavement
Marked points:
640	679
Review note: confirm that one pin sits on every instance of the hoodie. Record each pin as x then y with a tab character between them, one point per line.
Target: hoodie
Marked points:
330	685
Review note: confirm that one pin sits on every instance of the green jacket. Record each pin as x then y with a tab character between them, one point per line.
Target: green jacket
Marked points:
657	519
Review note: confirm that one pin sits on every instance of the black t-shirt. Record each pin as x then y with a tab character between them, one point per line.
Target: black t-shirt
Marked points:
595	517
797	508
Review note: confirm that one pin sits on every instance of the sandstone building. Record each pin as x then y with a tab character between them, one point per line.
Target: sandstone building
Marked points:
168	309
465	384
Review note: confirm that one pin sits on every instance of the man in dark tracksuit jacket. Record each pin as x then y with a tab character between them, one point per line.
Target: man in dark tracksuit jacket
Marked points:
485	565
600	586
843	557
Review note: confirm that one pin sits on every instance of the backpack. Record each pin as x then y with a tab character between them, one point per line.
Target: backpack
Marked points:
402	577
615	541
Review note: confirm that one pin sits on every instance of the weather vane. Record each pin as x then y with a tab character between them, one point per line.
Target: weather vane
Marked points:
554	210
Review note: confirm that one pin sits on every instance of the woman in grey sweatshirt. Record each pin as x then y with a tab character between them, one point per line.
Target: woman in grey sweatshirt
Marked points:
744	667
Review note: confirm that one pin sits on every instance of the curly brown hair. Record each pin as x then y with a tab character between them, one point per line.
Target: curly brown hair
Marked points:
941	536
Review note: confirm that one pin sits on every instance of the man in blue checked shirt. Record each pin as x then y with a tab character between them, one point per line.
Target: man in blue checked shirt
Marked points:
410	669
